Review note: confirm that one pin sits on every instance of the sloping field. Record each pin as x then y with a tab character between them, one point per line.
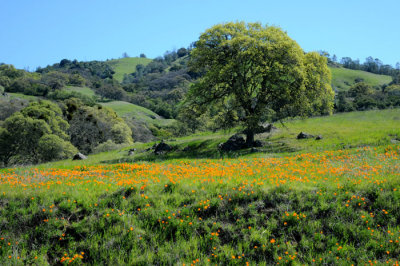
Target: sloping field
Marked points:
138	112
343	78
84	90
126	66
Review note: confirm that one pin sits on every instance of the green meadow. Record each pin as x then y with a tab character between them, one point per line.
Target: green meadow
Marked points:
343	79
126	66
329	201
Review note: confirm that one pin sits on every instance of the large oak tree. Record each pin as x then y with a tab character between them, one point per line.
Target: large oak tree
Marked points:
258	73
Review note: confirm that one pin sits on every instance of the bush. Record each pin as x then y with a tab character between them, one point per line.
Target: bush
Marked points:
35	134
52	147
64	95
5	81
9	106
76	79
109	145
91	126
18	85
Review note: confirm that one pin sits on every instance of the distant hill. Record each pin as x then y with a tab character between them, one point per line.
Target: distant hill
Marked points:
122	108
126	66
125	109
344	78
145	124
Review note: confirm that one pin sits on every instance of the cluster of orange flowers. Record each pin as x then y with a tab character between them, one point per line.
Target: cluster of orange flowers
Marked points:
304	168
71	259
242	175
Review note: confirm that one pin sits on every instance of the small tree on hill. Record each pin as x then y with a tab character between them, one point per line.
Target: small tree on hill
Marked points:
258	73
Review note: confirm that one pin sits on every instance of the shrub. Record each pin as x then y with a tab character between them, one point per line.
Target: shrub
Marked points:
109	145
52	147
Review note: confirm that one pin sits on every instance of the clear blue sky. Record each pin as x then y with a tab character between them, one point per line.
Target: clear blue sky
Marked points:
38	32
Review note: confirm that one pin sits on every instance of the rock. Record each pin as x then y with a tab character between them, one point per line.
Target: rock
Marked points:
319	137
79	156
258	144
269	128
234	143
131	152
162	147
304	135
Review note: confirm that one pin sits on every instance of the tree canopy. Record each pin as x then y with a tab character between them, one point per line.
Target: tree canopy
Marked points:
35	134
91	126
258	73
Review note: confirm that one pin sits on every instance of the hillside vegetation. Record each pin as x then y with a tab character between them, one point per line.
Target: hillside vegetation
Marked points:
127	65
344	78
328	202
83	90
125	109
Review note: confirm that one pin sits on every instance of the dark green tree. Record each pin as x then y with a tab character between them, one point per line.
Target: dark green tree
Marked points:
91	126
360	89
26	135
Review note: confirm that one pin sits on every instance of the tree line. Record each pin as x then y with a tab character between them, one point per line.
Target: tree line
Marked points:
371	64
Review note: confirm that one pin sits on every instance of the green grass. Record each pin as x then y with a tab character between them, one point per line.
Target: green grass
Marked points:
126	66
22	96
345	130
83	90
343	78
138	112
340	131
335	201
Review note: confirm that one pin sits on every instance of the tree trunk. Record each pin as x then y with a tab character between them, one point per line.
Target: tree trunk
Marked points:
249	138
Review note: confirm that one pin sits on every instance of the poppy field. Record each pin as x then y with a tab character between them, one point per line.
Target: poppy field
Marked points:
331	207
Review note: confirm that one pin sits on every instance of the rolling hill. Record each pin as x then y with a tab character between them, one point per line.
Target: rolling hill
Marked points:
125	109
144	123
343	78
126	66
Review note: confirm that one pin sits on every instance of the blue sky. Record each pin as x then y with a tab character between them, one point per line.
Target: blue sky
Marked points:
37	32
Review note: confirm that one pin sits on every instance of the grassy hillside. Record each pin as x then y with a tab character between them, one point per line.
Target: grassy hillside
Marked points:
323	204
339	131
84	90
140	113
343	78
22	96
125	109
126	66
